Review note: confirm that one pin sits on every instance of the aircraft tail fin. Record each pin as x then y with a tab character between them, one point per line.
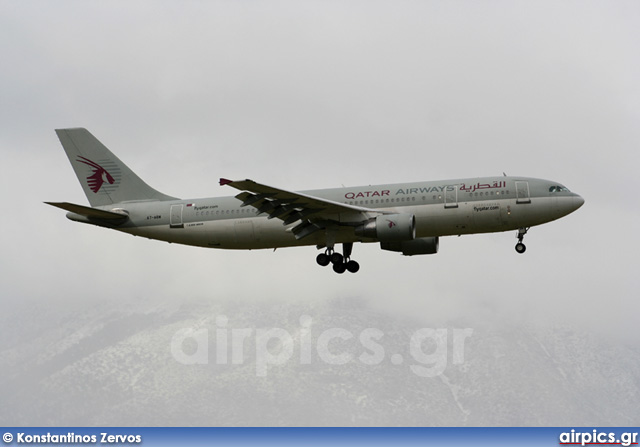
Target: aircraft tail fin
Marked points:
104	178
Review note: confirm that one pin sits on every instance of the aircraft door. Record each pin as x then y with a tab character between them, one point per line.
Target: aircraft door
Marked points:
522	192
175	217
451	196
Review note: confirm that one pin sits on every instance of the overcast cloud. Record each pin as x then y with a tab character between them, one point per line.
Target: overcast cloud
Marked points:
305	95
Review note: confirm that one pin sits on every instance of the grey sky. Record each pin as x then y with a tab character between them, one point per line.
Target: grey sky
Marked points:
305	95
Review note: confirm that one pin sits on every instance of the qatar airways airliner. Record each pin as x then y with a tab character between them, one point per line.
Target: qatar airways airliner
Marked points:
408	218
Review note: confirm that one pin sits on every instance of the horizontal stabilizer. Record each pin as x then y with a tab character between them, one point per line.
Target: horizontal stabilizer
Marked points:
90	212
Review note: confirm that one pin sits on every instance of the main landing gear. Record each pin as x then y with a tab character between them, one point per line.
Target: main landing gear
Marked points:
520	247
341	263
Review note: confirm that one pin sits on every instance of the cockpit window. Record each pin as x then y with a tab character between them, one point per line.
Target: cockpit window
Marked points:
558	188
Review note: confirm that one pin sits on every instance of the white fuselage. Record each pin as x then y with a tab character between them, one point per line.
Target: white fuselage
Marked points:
441	208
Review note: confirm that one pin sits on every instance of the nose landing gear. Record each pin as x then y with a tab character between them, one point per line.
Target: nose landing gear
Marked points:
341	262
520	247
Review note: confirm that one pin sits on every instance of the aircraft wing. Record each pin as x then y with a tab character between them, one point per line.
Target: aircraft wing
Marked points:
314	213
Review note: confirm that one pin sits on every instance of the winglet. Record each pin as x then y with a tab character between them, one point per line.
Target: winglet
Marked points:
225	181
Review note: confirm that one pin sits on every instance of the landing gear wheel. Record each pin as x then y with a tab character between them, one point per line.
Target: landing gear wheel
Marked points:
352	266
341	262
323	259
336	258
520	247
339	268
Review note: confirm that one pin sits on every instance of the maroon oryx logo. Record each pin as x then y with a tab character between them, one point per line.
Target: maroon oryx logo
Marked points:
391	223
99	176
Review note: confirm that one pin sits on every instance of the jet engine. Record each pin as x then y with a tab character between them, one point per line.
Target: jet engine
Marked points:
389	228
420	246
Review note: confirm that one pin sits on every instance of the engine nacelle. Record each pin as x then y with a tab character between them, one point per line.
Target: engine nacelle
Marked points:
389	228
420	246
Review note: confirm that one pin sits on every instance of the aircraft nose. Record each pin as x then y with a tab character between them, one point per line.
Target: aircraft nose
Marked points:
578	201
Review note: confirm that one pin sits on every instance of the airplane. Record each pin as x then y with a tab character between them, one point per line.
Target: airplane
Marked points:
408	218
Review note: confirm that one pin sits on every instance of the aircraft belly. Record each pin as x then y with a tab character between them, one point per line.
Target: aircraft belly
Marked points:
255	233
238	234
164	233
